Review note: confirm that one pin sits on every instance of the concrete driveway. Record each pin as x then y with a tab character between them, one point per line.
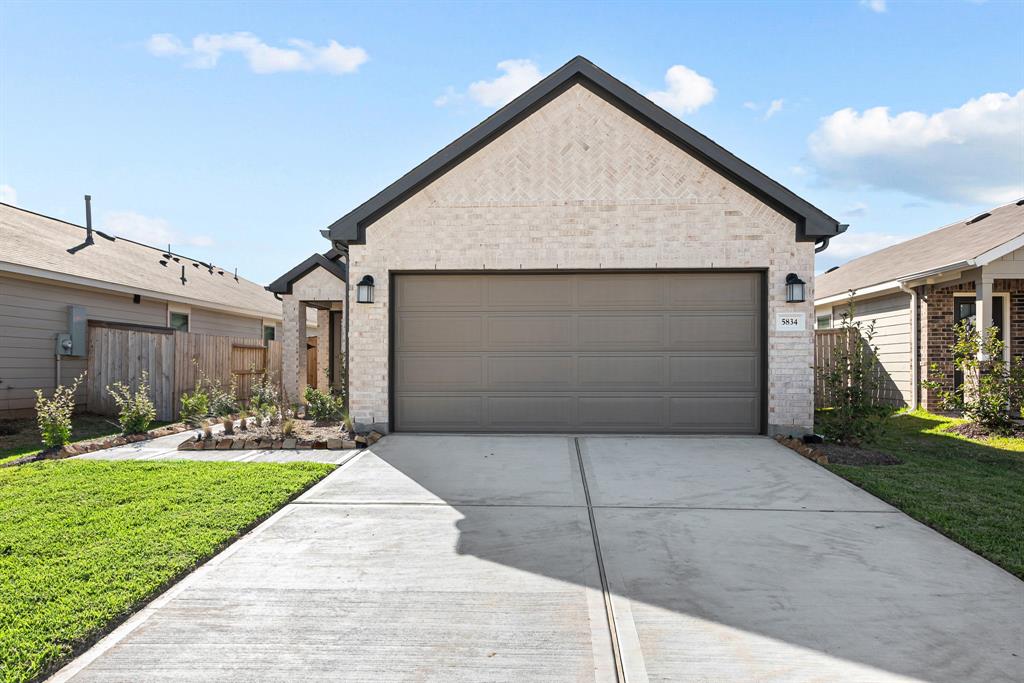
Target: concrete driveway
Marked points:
548	558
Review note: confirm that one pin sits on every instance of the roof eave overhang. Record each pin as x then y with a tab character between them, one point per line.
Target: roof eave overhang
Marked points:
812	224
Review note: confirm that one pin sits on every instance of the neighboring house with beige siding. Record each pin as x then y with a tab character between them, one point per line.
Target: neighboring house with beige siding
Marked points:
48	265
917	291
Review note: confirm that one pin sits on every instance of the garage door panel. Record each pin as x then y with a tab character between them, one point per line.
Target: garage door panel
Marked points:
622	412
619	330
626	292
429	372
552	413
455	291
714	292
717	413
537	333
441	412
421	332
516	372
714	373
579	352
713	332
537	292
621	372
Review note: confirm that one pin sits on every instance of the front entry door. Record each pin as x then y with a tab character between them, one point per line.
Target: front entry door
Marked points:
964	309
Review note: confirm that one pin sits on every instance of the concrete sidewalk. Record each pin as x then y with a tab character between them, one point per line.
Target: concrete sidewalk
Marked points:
456	558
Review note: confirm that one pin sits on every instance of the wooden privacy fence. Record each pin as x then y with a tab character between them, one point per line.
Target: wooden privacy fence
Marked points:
120	353
830	343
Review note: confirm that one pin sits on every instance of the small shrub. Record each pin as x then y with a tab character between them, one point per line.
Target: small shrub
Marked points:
323	407
346	419
288	427
136	408
207	431
991	389
221	401
229	425
264	397
194	408
852	383
243	421
53	415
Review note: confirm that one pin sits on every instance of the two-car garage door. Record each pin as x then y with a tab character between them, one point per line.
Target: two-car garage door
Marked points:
583	352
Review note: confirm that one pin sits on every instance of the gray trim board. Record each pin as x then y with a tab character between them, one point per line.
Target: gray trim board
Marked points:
812	223
283	284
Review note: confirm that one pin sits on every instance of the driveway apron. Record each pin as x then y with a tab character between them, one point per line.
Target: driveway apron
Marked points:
557	558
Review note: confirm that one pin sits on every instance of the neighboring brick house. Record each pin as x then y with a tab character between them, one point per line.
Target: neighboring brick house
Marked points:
581	261
917	291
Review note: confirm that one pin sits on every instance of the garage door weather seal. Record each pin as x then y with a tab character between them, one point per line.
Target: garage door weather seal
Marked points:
605	590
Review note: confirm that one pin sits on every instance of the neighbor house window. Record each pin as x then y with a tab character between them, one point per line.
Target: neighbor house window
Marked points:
268	333
179	321
824	322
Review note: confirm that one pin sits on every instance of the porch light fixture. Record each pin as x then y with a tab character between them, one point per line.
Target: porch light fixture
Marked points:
794	289
364	290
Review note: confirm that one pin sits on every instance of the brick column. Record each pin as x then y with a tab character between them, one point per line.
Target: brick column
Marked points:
293	349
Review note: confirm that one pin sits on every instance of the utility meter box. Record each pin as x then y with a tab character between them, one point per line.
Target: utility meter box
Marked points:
77	329
64	344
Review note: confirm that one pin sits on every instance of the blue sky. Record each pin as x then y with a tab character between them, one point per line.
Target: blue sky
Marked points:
238	130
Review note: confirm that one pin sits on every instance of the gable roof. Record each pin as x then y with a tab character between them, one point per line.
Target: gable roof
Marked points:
329	261
812	223
964	244
38	245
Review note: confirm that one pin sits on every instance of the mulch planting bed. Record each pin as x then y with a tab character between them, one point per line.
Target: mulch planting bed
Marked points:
837	454
976	431
305	434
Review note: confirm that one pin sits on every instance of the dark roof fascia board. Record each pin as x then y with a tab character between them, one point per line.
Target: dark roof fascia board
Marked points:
283	284
812	223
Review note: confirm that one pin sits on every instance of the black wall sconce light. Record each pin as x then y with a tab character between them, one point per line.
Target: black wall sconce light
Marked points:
364	290
794	289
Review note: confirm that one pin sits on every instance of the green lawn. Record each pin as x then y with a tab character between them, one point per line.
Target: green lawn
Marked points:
25	440
83	544
971	491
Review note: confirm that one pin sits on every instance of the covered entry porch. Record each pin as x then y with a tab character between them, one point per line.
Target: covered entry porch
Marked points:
319	284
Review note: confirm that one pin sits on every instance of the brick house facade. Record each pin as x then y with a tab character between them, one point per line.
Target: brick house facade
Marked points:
583	175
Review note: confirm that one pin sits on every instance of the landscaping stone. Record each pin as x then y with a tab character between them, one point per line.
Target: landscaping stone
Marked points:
361	440
198	445
290	443
224	445
250	444
238	444
320	443
334	443
374	437
267	443
277	443
348	444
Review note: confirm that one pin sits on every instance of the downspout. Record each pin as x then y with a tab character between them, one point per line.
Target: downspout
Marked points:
915	366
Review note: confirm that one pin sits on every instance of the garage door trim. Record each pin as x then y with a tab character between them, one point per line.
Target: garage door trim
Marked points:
393	275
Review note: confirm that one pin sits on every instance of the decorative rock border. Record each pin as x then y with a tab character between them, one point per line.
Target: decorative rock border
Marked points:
804	449
98	444
224	442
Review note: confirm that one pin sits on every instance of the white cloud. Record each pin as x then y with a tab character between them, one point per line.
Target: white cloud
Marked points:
155	232
751	105
852	244
8	195
206	50
973	153
686	91
798	170
774	108
874	5
519	76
